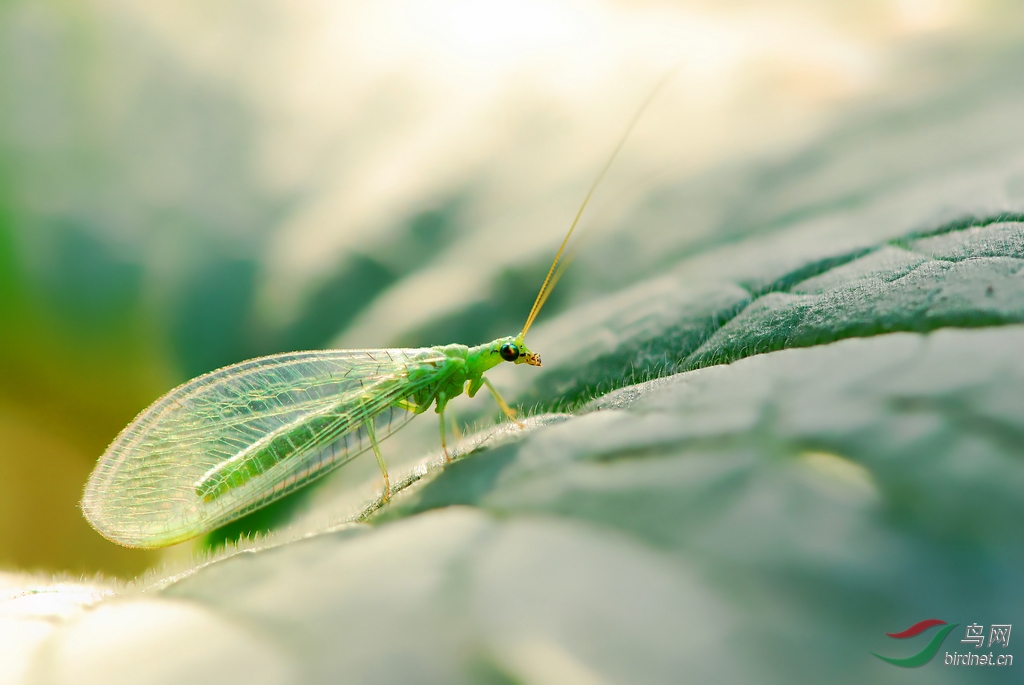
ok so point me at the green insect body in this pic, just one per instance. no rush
(232, 441)
(236, 439)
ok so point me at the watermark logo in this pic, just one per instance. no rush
(926, 654)
(998, 635)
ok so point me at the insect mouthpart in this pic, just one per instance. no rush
(531, 358)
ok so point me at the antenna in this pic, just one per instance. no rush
(558, 266)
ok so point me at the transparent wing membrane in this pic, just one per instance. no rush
(235, 439)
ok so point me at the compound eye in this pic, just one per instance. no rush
(509, 352)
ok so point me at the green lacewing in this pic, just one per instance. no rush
(234, 440)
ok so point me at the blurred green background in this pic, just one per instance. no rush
(187, 184)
